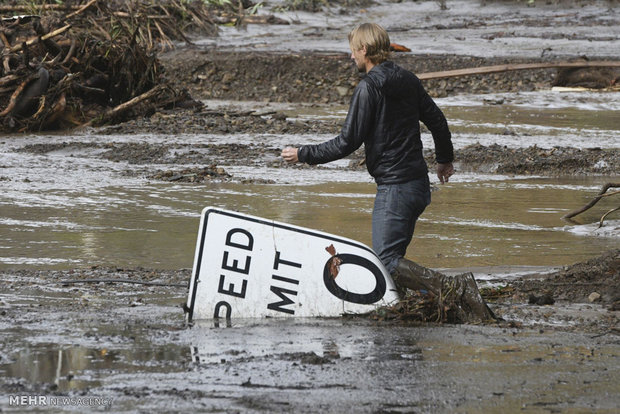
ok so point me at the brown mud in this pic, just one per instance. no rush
(91, 332)
(557, 161)
(319, 79)
(331, 78)
(513, 302)
(577, 282)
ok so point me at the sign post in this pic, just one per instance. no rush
(250, 267)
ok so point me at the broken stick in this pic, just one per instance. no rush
(13, 100)
(30, 42)
(595, 200)
(124, 107)
(86, 6)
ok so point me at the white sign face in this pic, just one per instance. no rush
(248, 267)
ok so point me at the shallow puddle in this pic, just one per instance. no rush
(263, 366)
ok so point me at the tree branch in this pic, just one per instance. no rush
(30, 42)
(595, 200)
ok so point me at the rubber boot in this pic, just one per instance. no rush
(415, 277)
(463, 287)
(471, 303)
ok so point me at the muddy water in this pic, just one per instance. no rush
(482, 223)
(127, 349)
(69, 207)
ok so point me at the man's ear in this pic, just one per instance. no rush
(364, 49)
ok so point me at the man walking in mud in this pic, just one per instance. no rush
(384, 114)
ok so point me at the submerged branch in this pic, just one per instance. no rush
(600, 223)
(592, 202)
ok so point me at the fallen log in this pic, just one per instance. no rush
(252, 19)
(16, 8)
(483, 70)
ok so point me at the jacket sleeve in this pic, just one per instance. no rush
(434, 119)
(357, 125)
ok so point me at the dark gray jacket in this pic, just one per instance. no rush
(385, 113)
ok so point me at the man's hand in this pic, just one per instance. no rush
(444, 172)
(290, 154)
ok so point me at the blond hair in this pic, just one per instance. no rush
(376, 40)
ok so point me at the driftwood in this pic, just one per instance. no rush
(81, 9)
(604, 216)
(243, 19)
(13, 100)
(17, 8)
(482, 70)
(96, 59)
(71, 64)
(126, 106)
(601, 194)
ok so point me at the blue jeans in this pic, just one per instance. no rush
(397, 208)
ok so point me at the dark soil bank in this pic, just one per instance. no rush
(319, 79)
(596, 280)
(322, 78)
(515, 300)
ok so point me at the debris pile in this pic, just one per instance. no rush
(89, 62)
(192, 175)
